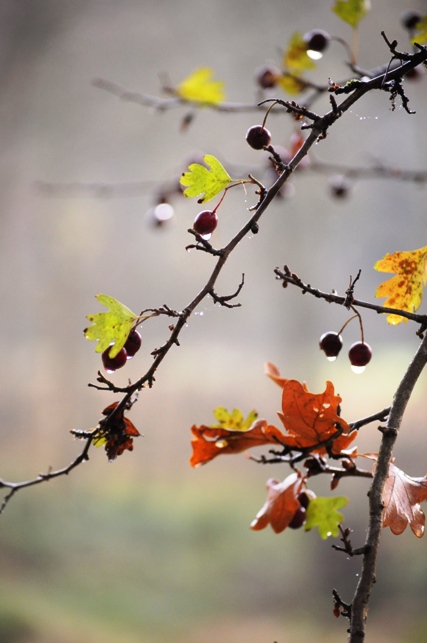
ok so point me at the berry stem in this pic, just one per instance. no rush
(268, 111)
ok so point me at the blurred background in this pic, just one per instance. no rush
(146, 549)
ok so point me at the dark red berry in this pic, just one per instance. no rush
(133, 343)
(299, 518)
(331, 344)
(267, 76)
(258, 137)
(410, 19)
(305, 497)
(205, 222)
(360, 354)
(316, 40)
(111, 364)
(339, 186)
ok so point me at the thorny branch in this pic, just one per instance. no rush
(388, 80)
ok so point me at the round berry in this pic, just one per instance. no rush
(111, 364)
(339, 186)
(205, 222)
(267, 76)
(316, 40)
(305, 497)
(410, 19)
(133, 343)
(359, 354)
(331, 344)
(258, 137)
(299, 518)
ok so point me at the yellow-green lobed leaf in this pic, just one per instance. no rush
(421, 32)
(351, 11)
(203, 181)
(295, 58)
(233, 421)
(199, 88)
(110, 328)
(322, 513)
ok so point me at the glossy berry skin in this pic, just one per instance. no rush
(299, 518)
(317, 40)
(133, 343)
(205, 222)
(305, 497)
(331, 344)
(111, 364)
(258, 137)
(360, 354)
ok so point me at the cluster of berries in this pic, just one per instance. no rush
(360, 353)
(131, 347)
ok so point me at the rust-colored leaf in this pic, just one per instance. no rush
(281, 505)
(311, 420)
(208, 442)
(273, 373)
(115, 433)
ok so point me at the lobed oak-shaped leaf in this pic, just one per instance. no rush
(281, 505)
(352, 11)
(233, 421)
(209, 442)
(405, 290)
(199, 87)
(323, 513)
(312, 419)
(111, 328)
(295, 58)
(203, 181)
(401, 498)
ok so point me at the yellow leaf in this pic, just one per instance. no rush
(405, 290)
(290, 84)
(201, 181)
(351, 11)
(199, 88)
(112, 327)
(295, 57)
(421, 32)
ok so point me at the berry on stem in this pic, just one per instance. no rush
(410, 19)
(258, 137)
(299, 518)
(317, 40)
(111, 364)
(331, 344)
(360, 354)
(133, 343)
(205, 223)
(267, 76)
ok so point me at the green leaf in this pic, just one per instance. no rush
(352, 11)
(201, 181)
(322, 513)
(295, 58)
(199, 88)
(233, 421)
(112, 327)
(421, 32)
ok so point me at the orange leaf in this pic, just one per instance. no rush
(273, 373)
(402, 496)
(281, 505)
(312, 419)
(405, 290)
(116, 433)
(208, 442)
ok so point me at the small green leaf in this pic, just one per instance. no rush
(233, 421)
(322, 513)
(112, 327)
(295, 58)
(199, 88)
(421, 32)
(201, 181)
(352, 11)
